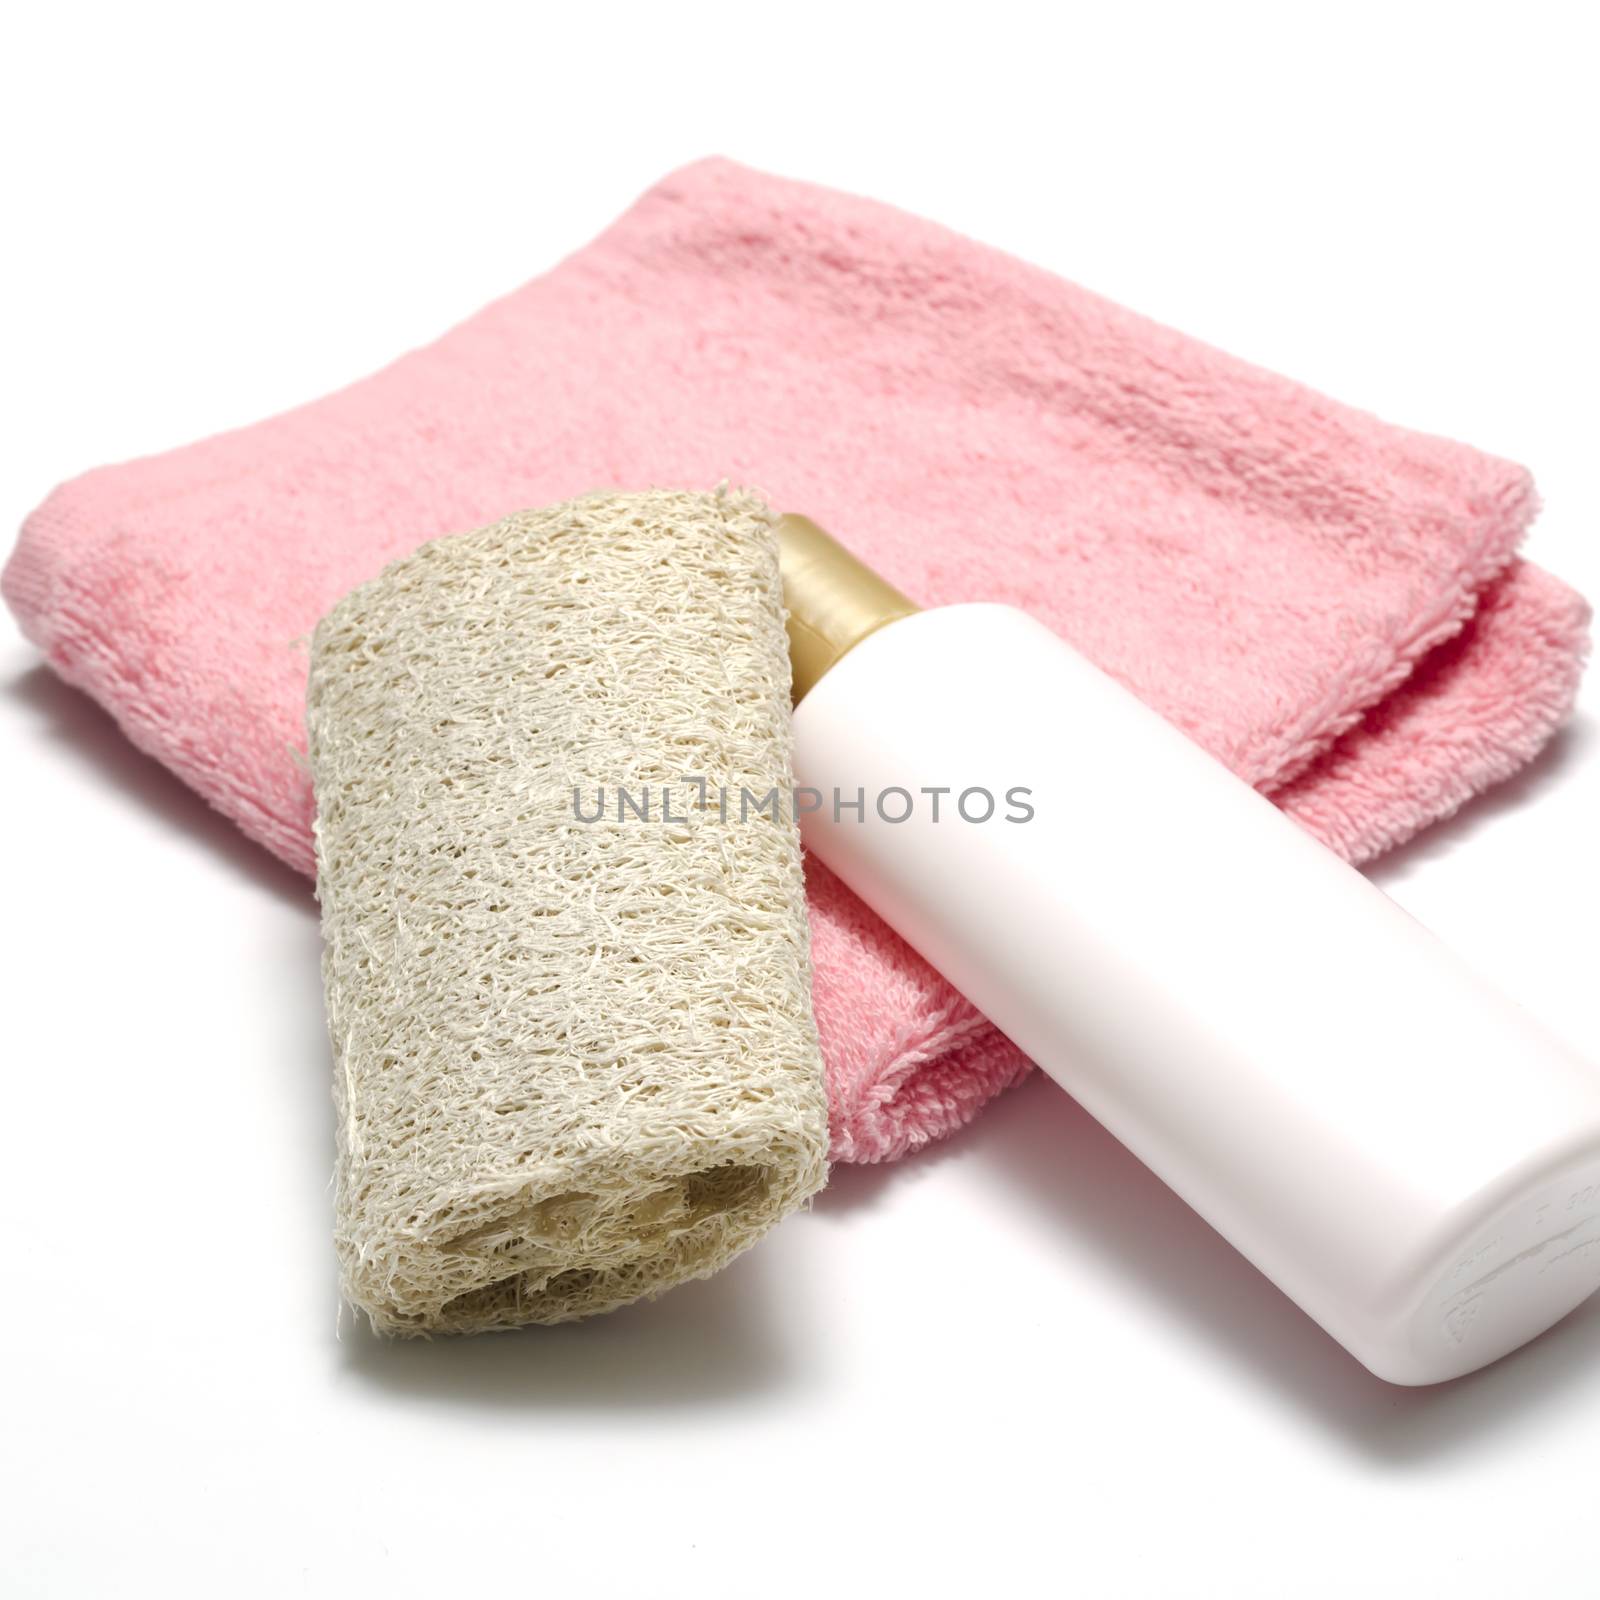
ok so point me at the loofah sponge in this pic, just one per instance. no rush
(575, 1061)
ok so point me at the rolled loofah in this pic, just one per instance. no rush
(575, 1061)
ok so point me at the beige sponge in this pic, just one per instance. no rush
(575, 1061)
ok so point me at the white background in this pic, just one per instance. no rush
(1013, 1363)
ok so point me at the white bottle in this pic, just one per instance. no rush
(1400, 1148)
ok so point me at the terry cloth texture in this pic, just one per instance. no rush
(575, 1061)
(1328, 603)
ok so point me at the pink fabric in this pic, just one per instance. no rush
(1328, 603)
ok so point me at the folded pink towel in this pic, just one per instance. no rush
(1328, 603)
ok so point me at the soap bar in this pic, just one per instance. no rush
(568, 986)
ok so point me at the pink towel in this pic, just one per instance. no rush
(1328, 603)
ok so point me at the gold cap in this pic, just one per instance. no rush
(833, 600)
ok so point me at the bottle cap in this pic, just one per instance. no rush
(833, 600)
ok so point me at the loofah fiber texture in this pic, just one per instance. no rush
(1330, 604)
(575, 1061)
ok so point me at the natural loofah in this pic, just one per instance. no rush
(575, 1062)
